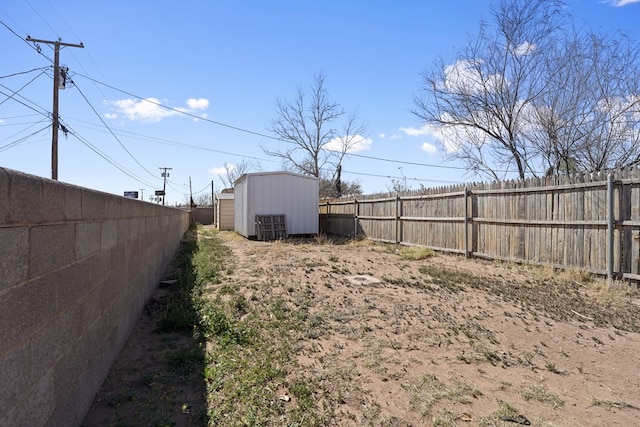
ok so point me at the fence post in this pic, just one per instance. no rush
(397, 218)
(610, 220)
(355, 218)
(466, 222)
(328, 216)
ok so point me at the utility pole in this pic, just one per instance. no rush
(142, 194)
(190, 195)
(164, 174)
(56, 86)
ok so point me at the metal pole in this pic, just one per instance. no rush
(610, 223)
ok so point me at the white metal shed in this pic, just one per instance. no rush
(276, 193)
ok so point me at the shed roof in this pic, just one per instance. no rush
(225, 196)
(298, 175)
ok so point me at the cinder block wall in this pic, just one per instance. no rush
(77, 267)
(202, 215)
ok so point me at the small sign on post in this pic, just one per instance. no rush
(159, 193)
(131, 194)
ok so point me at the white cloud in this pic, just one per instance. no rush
(198, 103)
(356, 143)
(202, 116)
(465, 77)
(422, 130)
(620, 3)
(525, 49)
(147, 110)
(429, 148)
(382, 136)
(151, 109)
(395, 136)
(220, 170)
(447, 136)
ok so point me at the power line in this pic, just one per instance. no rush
(265, 135)
(58, 43)
(180, 144)
(56, 86)
(243, 156)
(110, 131)
(164, 175)
(72, 54)
(107, 158)
(206, 187)
(36, 47)
(23, 72)
(62, 19)
(43, 20)
(22, 139)
(186, 113)
(18, 117)
(2, 124)
(399, 177)
(25, 85)
(45, 113)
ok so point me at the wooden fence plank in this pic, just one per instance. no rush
(557, 221)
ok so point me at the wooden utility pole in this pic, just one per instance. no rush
(56, 85)
(164, 175)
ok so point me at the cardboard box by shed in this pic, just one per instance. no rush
(277, 193)
(224, 211)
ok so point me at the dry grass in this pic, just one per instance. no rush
(436, 340)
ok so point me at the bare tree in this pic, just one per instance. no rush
(328, 189)
(233, 172)
(318, 132)
(478, 102)
(589, 119)
(534, 97)
(203, 199)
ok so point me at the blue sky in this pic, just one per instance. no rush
(225, 63)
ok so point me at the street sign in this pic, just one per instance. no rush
(131, 194)
(159, 193)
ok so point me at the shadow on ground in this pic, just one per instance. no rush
(158, 379)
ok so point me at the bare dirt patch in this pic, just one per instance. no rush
(441, 341)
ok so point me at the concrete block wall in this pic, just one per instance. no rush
(202, 215)
(77, 267)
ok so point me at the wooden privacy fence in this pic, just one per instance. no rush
(589, 222)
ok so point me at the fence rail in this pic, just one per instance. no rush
(589, 222)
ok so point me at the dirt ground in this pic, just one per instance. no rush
(440, 341)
